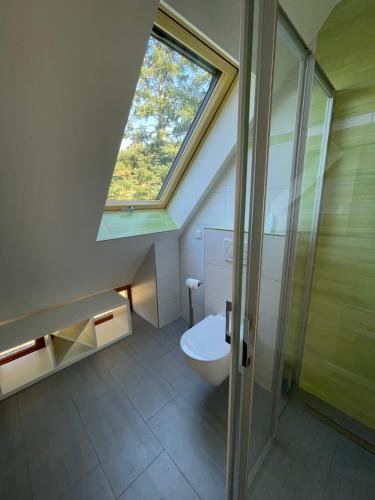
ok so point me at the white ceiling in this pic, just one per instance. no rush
(219, 20)
(308, 16)
(68, 74)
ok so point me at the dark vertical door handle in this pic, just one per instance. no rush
(228, 310)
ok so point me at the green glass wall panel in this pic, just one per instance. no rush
(339, 354)
(312, 166)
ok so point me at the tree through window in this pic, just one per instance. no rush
(172, 91)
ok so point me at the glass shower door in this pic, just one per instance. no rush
(274, 108)
(305, 233)
(290, 68)
(259, 19)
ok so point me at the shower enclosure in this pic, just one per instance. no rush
(285, 116)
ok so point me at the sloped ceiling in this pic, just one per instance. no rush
(68, 73)
(219, 20)
(308, 16)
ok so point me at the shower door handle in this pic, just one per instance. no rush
(228, 310)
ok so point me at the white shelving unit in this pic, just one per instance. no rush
(109, 331)
(82, 332)
(20, 372)
(72, 335)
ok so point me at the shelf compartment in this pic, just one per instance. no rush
(82, 332)
(23, 371)
(114, 329)
(72, 336)
(67, 352)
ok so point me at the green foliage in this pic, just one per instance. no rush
(169, 93)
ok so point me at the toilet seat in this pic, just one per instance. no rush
(206, 340)
(206, 351)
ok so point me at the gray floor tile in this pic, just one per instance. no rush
(14, 479)
(261, 420)
(195, 447)
(143, 327)
(182, 324)
(123, 442)
(311, 461)
(112, 356)
(10, 428)
(169, 336)
(211, 402)
(94, 486)
(146, 389)
(161, 481)
(88, 380)
(339, 418)
(143, 345)
(58, 450)
(42, 394)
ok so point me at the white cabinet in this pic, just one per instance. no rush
(71, 332)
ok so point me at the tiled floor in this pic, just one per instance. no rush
(311, 461)
(134, 422)
(131, 422)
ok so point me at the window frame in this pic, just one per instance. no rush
(228, 72)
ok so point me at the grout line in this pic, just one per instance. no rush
(196, 409)
(82, 478)
(142, 472)
(162, 407)
(24, 449)
(121, 390)
(118, 387)
(89, 438)
(183, 475)
(164, 449)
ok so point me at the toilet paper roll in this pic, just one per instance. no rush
(193, 283)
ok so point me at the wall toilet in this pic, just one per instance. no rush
(205, 349)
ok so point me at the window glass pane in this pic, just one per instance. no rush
(170, 94)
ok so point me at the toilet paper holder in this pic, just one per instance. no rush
(192, 284)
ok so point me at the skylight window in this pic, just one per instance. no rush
(173, 98)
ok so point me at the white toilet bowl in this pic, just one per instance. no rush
(205, 349)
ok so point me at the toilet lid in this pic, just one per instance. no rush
(206, 340)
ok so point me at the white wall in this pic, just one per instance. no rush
(215, 207)
(68, 74)
(216, 154)
(144, 289)
(217, 272)
(168, 280)
(204, 258)
(216, 210)
(156, 285)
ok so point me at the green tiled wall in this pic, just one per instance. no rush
(339, 355)
(306, 216)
